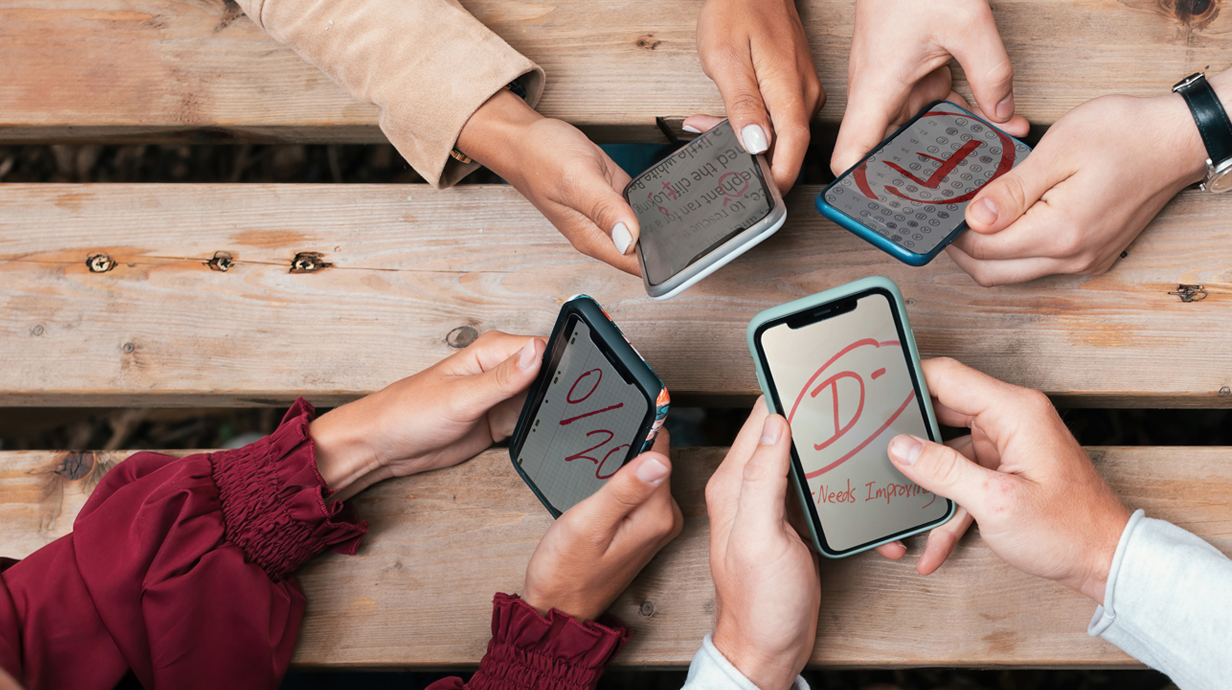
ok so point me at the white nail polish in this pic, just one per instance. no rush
(621, 238)
(691, 129)
(754, 139)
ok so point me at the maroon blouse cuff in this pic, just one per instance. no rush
(528, 650)
(274, 500)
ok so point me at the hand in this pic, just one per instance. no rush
(757, 54)
(900, 62)
(766, 581)
(591, 554)
(1098, 176)
(1038, 500)
(572, 182)
(437, 418)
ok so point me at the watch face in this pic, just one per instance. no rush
(1220, 179)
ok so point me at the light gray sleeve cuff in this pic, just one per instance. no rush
(1168, 603)
(711, 670)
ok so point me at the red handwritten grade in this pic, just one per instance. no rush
(582, 455)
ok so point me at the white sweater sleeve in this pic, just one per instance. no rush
(1169, 604)
(710, 670)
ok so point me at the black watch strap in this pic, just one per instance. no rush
(1208, 113)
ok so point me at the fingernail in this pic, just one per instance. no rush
(691, 129)
(652, 472)
(984, 211)
(771, 431)
(621, 238)
(526, 356)
(906, 449)
(901, 544)
(754, 139)
(1005, 109)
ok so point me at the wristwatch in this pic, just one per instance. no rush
(1214, 127)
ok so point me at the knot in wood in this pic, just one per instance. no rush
(647, 42)
(646, 609)
(461, 336)
(99, 263)
(37, 330)
(1189, 293)
(1195, 13)
(1225, 391)
(222, 261)
(309, 262)
(128, 348)
(74, 465)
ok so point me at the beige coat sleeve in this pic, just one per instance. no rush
(427, 64)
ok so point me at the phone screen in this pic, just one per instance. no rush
(583, 428)
(846, 386)
(914, 190)
(688, 205)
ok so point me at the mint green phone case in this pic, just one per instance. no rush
(811, 302)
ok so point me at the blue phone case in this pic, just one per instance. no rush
(805, 304)
(872, 236)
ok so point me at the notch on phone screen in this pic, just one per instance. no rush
(845, 382)
(591, 412)
(915, 188)
(694, 201)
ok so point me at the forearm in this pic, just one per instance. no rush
(1168, 602)
(428, 65)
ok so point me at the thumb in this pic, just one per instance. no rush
(745, 108)
(1005, 199)
(945, 472)
(987, 66)
(484, 391)
(597, 198)
(629, 488)
(763, 491)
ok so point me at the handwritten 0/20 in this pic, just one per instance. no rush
(570, 399)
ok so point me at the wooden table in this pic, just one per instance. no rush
(117, 295)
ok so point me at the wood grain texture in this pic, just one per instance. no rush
(122, 70)
(418, 593)
(409, 265)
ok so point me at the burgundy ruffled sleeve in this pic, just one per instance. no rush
(178, 569)
(532, 652)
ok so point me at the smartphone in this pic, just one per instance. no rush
(703, 206)
(594, 406)
(909, 196)
(843, 368)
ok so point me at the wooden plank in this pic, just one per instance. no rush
(418, 592)
(411, 265)
(201, 71)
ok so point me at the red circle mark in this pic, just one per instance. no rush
(569, 396)
(728, 195)
(809, 384)
(1008, 154)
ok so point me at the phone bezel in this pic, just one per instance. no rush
(619, 353)
(869, 234)
(822, 311)
(727, 248)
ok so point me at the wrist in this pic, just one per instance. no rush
(1101, 554)
(491, 135)
(345, 459)
(1191, 149)
(766, 670)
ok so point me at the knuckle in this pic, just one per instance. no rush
(746, 104)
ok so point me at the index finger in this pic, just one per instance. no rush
(975, 396)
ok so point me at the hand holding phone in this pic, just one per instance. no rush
(909, 196)
(594, 406)
(703, 206)
(591, 554)
(843, 368)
